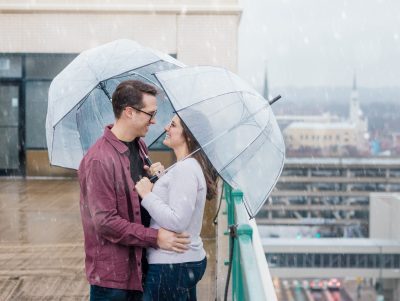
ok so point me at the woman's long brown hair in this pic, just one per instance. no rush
(209, 171)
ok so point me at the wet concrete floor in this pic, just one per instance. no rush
(41, 243)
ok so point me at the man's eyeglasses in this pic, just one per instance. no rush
(151, 115)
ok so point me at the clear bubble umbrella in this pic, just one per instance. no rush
(79, 103)
(234, 125)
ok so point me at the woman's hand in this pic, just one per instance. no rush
(144, 187)
(156, 169)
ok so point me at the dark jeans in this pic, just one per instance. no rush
(98, 293)
(175, 282)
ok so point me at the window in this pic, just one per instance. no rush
(35, 116)
(10, 66)
(40, 69)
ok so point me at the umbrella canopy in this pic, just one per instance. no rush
(233, 124)
(79, 103)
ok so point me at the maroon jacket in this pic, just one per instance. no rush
(106, 189)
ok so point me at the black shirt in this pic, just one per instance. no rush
(138, 172)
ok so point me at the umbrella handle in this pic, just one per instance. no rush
(148, 161)
(153, 179)
(274, 99)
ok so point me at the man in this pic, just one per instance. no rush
(110, 207)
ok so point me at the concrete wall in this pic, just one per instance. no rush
(197, 31)
(384, 216)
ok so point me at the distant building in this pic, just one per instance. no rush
(320, 135)
(396, 142)
(326, 133)
(334, 195)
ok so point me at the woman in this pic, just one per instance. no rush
(176, 202)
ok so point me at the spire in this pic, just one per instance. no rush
(355, 81)
(266, 90)
(355, 110)
(354, 92)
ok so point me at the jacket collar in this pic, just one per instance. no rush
(110, 137)
(118, 144)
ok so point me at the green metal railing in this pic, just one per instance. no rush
(246, 278)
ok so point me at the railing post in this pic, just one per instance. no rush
(237, 282)
(230, 205)
(245, 261)
(243, 233)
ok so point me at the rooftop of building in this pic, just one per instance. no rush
(373, 162)
(320, 126)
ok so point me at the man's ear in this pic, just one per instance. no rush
(128, 112)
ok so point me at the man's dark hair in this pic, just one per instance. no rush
(129, 93)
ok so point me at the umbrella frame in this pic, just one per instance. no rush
(101, 86)
(201, 147)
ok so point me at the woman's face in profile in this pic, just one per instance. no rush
(174, 133)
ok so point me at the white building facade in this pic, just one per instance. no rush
(329, 134)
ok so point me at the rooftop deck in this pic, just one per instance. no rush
(42, 256)
(41, 243)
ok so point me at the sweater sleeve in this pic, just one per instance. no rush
(182, 193)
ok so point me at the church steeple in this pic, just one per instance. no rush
(266, 90)
(355, 110)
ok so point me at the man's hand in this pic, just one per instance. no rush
(156, 169)
(144, 187)
(172, 241)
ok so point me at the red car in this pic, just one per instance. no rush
(334, 284)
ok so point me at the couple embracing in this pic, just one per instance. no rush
(142, 241)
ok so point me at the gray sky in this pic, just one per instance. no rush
(320, 42)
